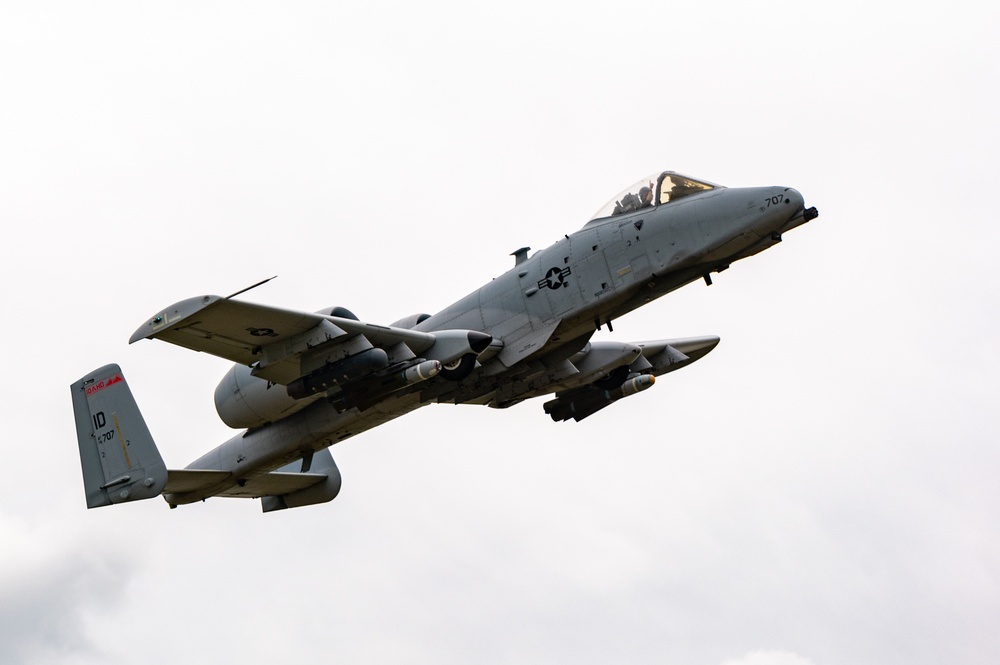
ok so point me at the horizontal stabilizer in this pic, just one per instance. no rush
(313, 479)
(275, 483)
(192, 480)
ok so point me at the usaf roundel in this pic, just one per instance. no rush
(555, 278)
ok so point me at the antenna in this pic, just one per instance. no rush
(254, 286)
(520, 255)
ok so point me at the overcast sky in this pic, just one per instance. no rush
(820, 490)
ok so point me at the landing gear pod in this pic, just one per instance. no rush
(318, 462)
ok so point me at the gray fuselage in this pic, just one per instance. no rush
(541, 312)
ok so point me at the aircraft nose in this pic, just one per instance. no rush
(778, 206)
(796, 205)
(794, 200)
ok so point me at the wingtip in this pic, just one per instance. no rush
(171, 315)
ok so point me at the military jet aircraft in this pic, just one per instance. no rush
(305, 381)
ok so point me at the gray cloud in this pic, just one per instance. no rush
(53, 588)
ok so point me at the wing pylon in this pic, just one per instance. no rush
(620, 370)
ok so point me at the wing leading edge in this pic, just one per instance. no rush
(282, 345)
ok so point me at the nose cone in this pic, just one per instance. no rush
(778, 209)
(799, 215)
(794, 200)
(773, 208)
(479, 341)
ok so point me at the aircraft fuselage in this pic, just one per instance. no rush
(540, 313)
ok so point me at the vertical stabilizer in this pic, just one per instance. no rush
(120, 461)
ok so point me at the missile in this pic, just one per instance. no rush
(634, 385)
(338, 373)
(587, 401)
(421, 371)
(367, 391)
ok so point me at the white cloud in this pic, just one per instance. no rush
(769, 657)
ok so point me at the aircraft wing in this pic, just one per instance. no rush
(230, 329)
(648, 360)
(668, 355)
(273, 341)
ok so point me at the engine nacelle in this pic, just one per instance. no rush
(411, 321)
(338, 311)
(244, 401)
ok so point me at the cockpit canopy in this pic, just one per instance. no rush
(657, 189)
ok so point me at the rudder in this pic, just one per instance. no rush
(119, 458)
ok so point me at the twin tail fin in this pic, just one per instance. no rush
(119, 458)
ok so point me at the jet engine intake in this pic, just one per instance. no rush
(411, 321)
(451, 345)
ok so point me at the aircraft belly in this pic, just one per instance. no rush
(262, 450)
